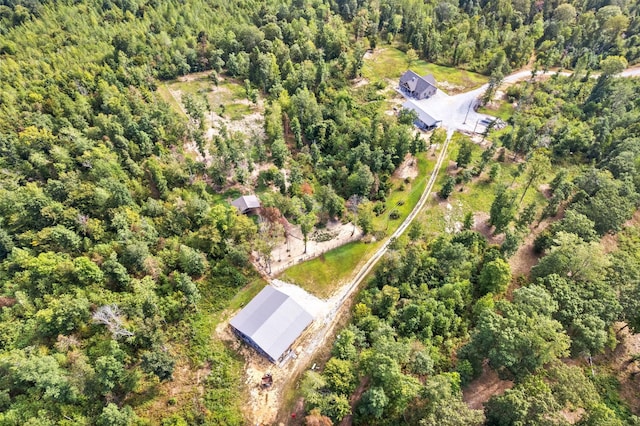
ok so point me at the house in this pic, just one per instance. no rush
(418, 87)
(271, 323)
(424, 121)
(246, 204)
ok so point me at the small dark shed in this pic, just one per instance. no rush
(246, 204)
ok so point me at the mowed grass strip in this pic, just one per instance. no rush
(321, 276)
(164, 93)
(388, 62)
(504, 111)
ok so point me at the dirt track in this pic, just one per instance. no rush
(263, 404)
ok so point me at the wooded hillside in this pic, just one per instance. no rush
(118, 248)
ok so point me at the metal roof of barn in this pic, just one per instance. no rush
(273, 321)
(422, 115)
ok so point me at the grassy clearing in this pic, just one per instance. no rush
(228, 99)
(235, 111)
(323, 275)
(164, 93)
(475, 196)
(404, 197)
(389, 63)
(504, 111)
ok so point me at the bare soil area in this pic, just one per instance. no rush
(484, 387)
(359, 82)
(481, 224)
(291, 250)
(263, 403)
(621, 360)
(218, 122)
(407, 169)
(353, 400)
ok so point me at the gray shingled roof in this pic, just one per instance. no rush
(273, 320)
(246, 202)
(422, 116)
(416, 83)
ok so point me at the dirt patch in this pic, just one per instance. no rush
(263, 403)
(452, 168)
(291, 250)
(545, 190)
(250, 125)
(353, 400)
(407, 169)
(573, 417)
(524, 258)
(481, 224)
(610, 241)
(194, 76)
(484, 387)
(447, 87)
(621, 360)
(359, 82)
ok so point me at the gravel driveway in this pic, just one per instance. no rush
(456, 112)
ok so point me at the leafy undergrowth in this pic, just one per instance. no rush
(207, 382)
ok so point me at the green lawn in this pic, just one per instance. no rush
(390, 62)
(404, 200)
(323, 275)
(504, 111)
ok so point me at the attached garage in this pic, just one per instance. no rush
(271, 323)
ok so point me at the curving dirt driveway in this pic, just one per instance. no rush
(327, 316)
(456, 113)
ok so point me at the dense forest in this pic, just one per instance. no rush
(115, 244)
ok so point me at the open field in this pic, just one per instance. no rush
(228, 98)
(475, 196)
(388, 62)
